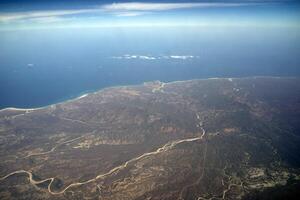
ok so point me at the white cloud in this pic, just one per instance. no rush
(127, 56)
(129, 14)
(137, 6)
(148, 57)
(184, 57)
(117, 9)
(6, 17)
(47, 19)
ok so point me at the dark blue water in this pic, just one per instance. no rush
(39, 68)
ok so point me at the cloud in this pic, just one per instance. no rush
(129, 14)
(6, 17)
(149, 57)
(127, 56)
(181, 57)
(117, 9)
(137, 6)
(44, 20)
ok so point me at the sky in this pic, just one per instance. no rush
(46, 14)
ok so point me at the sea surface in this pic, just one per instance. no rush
(42, 67)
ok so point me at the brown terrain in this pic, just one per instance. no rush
(199, 139)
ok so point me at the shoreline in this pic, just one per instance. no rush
(43, 107)
(71, 98)
(80, 96)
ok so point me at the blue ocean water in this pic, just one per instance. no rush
(42, 67)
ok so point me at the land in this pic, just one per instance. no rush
(236, 138)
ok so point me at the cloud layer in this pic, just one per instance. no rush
(155, 15)
(150, 57)
(136, 6)
(117, 9)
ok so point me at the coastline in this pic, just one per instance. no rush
(67, 99)
(86, 93)
(43, 107)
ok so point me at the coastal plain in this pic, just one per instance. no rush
(227, 138)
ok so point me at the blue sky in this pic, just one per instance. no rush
(41, 14)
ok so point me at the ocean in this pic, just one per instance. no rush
(42, 67)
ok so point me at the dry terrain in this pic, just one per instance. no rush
(198, 139)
